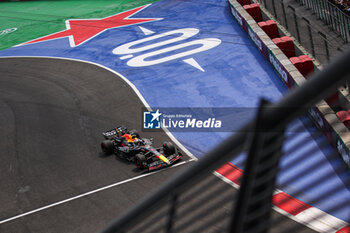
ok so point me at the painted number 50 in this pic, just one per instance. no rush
(168, 53)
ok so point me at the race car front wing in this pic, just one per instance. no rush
(159, 164)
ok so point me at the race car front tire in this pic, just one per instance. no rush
(107, 147)
(168, 148)
(140, 159)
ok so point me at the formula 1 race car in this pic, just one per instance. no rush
(128, 145)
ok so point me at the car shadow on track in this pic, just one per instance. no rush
(120, 160)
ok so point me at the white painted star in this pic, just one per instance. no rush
(156, 115)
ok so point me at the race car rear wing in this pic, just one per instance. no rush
(112, 133)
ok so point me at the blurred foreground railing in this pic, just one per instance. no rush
(195, 201)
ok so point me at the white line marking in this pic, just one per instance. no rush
(194, 63)
(236, 186)
(126, 57)
(146, 31)
(7, 31)
(320, 221)
(90, 192)
(313, 218)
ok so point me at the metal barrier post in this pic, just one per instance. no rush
(318, 9)
(295, 21)
(308, 4)
(328, 17)
(340, 23)
(325, 44)
(312, 4)
(345, 27)
(321, 10)
(171, 217)
(255, 195)
(284, 14)
(332, 17)
(274, 8)
(315, 4)
(310, 35)
(347, 30)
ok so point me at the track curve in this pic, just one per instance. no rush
(52, 114)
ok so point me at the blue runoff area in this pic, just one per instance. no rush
(196, 55)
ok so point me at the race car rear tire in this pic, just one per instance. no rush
(168, 148)
(140, 159)
(107, 147)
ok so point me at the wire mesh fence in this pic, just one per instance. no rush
(310, 35)
(332, 15)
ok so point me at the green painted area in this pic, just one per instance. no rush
(24, 21)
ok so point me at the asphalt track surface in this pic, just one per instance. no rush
(52, 114)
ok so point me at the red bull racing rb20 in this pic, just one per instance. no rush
(128, 145)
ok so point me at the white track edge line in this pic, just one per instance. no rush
(89, 193)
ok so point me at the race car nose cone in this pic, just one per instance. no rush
(164, 159)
